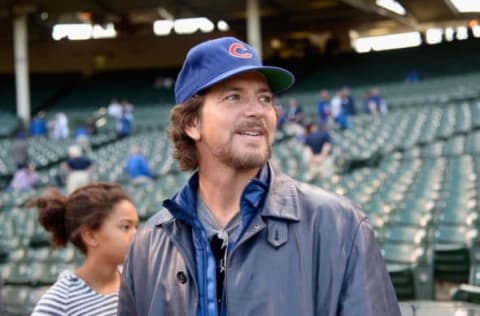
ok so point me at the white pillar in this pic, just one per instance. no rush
(254, 31)
(20, 37)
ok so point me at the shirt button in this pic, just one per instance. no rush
(181, 277)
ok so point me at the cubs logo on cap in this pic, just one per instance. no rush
(210, 62)
(239, 50)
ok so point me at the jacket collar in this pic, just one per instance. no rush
(281, 197)
(183, 204)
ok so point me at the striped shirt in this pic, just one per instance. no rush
(71, 296)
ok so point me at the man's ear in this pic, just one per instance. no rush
(192, 129)
(89, 237)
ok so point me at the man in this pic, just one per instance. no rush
(318, 145)
(78, 169)
(323, 108)
(136, 167)
(239, 238)
(295, 112)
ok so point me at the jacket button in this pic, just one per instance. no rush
(181, 277)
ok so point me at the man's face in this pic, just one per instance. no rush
(237, 123)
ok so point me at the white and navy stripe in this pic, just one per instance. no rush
(71, 296)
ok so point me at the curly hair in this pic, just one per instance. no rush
(87, 207)
(181, 116)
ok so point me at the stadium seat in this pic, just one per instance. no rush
(411, 269)
(19, 300)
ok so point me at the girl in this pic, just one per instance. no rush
(100, 220)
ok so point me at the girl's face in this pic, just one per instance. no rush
(114, 236)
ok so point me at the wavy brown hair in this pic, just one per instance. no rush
(181, 116)
(87, 207)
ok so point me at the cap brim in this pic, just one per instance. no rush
(278, 79)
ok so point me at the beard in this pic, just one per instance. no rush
(243, 158)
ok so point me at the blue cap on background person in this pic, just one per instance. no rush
(213, 61)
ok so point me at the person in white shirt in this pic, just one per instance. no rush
(115, 109)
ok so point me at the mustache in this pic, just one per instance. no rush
(252, 124)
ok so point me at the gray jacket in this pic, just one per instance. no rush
(308, 252)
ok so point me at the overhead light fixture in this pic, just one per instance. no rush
(449, 34)
(107, 31)
(77, 31)
(275, 43)
(44, 16)
(464, 6)
(476, 30)
(162, 27)
(223, 26)
(434, 36)
(185, 26)
(392, 5)
(462, 33)
(83, 31)
(191, 25)
(386, 42)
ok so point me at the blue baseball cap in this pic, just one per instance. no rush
(213, 61)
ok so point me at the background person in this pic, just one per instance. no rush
(136, 167)
(100, 221)
(78, 169)
(317, 150)
(25, 178)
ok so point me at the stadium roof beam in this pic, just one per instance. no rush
(367, 6)
(452, 8)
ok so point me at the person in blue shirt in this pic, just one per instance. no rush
(125, 122)
(348, 103)
(412, 76)
(318, 148)
(38, 126)
(137, 167)
(281, 113)
(323, 108)
(376, 104)
(295, 112)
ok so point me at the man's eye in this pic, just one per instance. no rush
(232, 97)
(265, 99)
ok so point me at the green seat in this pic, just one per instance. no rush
(411, 269)
(31, 274)
(452, 258)
(410, 218)
(452, 262)
(451, 234)
(20, 300)
(470, 292)
(14, 300)
(39, 237)
(4, 251)
(405, 234)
